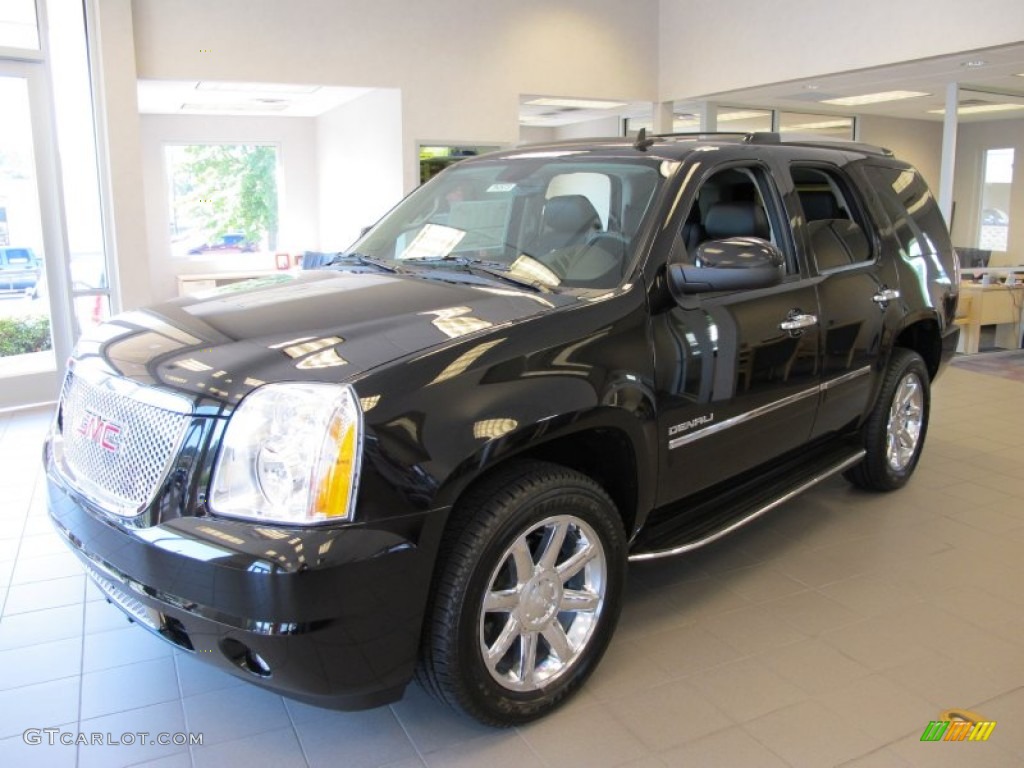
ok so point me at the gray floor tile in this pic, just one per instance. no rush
(729, 748)
(592, 736)
(357, 739)
(41, 595)
(232, 713)
(279, 748)
(105, 650)
(40, 663)
(39, 706)
(128, 687)
(136, 736)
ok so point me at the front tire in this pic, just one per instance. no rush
(526, 596)
(894, 432)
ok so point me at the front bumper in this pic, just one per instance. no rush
(330, 616)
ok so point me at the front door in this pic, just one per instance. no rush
(737, 372)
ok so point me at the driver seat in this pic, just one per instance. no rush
(567, 220)
(736, 219)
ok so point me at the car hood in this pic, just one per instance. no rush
(321, 325)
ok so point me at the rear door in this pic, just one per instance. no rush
(736, 372)
(858, 290)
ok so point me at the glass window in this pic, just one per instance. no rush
(18, 25)
(910, 206)
(835, 228)
(434, 159)
(995, 199)
(26, 344)
(551, 219)
(223, 198)
(833, 126)
(731, 203)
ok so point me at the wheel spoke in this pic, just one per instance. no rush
(523, 559)
(502, 601)
(553, 547)
(559, 643)
(577, 562)
(500, 647)
(527, 657)
(579, 601)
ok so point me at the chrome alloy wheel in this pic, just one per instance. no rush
(906, 417)
(543, 603)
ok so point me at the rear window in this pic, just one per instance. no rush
(910, 206)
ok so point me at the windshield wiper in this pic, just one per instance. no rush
(493, 269)
(366, 261)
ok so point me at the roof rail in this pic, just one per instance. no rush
(773, 137)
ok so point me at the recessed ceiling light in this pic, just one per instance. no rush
(577, 103)
(979, 109)
(1020, 74)
(873, 98)
(816, 126)
(973, 63)
(811, 87)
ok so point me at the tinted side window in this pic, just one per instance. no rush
(835, 225)
(910, 206)
(734, 202)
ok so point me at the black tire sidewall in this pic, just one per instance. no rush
(486, 694)
(883, 476)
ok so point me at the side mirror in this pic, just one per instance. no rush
(734, 264)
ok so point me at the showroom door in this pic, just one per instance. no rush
(35, 317)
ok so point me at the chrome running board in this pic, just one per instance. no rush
(810, 482)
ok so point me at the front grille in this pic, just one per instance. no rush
(119, 439)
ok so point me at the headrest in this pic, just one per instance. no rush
(739, 219)
(571, 213)
(820, 205)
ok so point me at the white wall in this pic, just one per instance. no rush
(602, 127)
(535, 134)
(972, 141)
(296, 139)
(711, 46)
(461, 66)
(359, 165)
(919, 142)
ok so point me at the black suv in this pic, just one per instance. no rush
(436, 455)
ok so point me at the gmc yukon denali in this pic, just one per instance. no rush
(434, 456)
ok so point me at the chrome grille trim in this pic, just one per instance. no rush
(148, 426)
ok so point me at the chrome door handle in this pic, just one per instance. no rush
(885, 296)
(798, 322)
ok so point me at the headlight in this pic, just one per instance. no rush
(290, 455)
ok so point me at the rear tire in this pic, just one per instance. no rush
(894, 432)
(526, 594)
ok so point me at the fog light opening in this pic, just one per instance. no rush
(244, 657)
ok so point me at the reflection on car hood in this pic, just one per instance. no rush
(320, 325)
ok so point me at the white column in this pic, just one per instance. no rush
(662, 114)
(949, 125)
(708, 112)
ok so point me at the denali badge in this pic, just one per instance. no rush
(106, 434)
(688, 425)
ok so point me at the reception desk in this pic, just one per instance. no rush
(998, 305)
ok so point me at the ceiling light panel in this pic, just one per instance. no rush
(577, 103)
(874, 98)
(277, 88)
(978, 109)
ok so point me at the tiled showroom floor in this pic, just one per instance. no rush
(828, 633)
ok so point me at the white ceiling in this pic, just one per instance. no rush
(994, 81)
(191, 97)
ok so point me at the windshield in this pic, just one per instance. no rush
(552, 220)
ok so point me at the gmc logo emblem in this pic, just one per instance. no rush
(96, 429)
